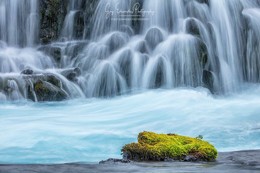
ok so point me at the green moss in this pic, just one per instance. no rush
(158, 147)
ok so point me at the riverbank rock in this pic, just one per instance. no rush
(165, 147)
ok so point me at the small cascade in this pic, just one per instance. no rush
(167, 14)
(74, 14)
(111, 15)
(252, 61)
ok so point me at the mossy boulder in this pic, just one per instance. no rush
(46, 91)
(163, 147)
(45, 87)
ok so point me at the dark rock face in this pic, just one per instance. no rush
(79, 24)
(52, 15)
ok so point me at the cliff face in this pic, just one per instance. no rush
(52, 17)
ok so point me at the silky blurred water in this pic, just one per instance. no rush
(94, 129)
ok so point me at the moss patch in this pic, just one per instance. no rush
(161, 147)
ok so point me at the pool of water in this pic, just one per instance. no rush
(90, 130)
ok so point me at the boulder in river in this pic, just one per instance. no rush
(165, 147)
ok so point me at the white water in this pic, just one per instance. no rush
(96, 129)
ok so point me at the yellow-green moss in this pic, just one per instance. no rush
(158, 147)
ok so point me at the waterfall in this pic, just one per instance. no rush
(133, 45)
(19, 22)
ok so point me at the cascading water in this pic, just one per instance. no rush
(19, 22)
(137, 45)
(178, 47)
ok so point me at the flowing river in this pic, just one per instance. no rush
(81, 78)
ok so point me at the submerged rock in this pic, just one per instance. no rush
(165, 147)
(114, 161)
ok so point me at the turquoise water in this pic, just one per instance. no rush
(94, 129)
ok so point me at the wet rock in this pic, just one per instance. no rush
(125, 63)
(44, 87)
(116, 41)
(190, 158)
(208, 80)
(154, 36)
(27, 72)
(71, 74)
(79, 25)
(192, 27)
(159, 75)
(1, 83)
(203, 1)
(46, 91)
(115, 161)
(52, 51)
(203, 53)
(52, 15)
(142, 47)
(54, 80)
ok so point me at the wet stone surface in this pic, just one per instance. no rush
(239, 162)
